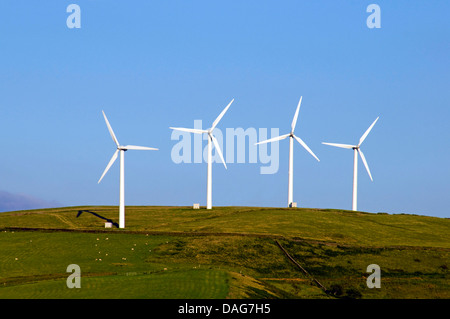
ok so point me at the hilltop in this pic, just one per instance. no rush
(226, 252)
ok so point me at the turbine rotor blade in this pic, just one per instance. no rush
(110, 130)
(190, 130)
(365, 163)
(216, 145)
(112, 160)
(294, 120)
(274, 139)
(139, 148)
(220, 116)
(340, 145)
(306, 147)
(367, 132)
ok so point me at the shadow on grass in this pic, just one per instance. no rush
(97, 215)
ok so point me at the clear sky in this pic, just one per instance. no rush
(154, 64)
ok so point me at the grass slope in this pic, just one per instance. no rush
(226, 252)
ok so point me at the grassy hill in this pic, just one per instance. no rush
(226, 252)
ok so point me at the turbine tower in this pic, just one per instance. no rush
(211, 140)
(291, 152)
(122, 150)
(356, 151)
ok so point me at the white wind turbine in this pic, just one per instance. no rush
(122, 150)
(291, 152)
(356, 150)
(211, 140)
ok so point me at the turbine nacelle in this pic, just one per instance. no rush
(135, 147)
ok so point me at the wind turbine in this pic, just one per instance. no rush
(356, 150)
(122, 150)
(291, 152)
(211, 140)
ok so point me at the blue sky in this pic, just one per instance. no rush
(155, 64)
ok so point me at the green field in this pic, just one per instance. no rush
(226, 252)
